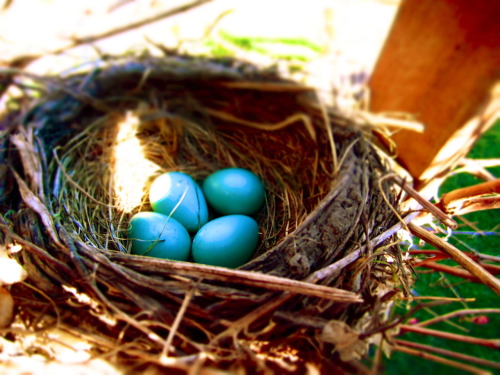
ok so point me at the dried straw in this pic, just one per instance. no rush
(327, 267)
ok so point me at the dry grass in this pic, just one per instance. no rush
(326, 221)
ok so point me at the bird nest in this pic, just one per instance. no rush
(81, 151)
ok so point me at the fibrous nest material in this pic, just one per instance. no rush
(80, 153)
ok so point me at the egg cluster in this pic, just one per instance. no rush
(181, 210)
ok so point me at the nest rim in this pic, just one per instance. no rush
(300, 281)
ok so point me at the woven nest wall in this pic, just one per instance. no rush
(81, 152)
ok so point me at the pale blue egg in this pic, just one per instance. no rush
(234, 191)
(176, 194)
(157, 235)
(228, 241)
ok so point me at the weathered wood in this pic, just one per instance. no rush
(478, 197)
(440, 63)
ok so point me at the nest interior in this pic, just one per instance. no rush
(81, 151)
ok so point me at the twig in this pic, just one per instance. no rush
(250, 278)
(329, 270)
(475, 256)
(488, 258)
(489, 343)
(120, 314)
(176, 324)
(401, 319)
(385, 120)
(477, 167)
(332, 268)
(78, 41)
(472, 225)
(444, 361)
(134, 25)
(246, 320)
(455, 271)
(454, 314)
(449, 353)
(472, 198)
(436, 211)
(485, 163)
(471, 266)
(378, 358)
(36, 204)
(473, 204)
(437, 298)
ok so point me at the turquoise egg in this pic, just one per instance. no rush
(157, 235)
(176, 194)
(234, 191)
(228, 241)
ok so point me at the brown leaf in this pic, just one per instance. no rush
(345, 339)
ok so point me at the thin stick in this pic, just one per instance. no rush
(436, 211)
(475, 169)
(334, 267)
(437, 298)
(475, 256)
(459, 257)
(176, 324)
(471, 198)
(384, 197)
(457, 313)
(353, 256)
(378, 357)
(449, 353)
(78, 41)
(485, 163)
(444, 361)
(134, 25)
(250, 278)
(36, 204)
(120, 314)
(379, 121)
(489, 343)
(491, 268)
(455, 271)
(473, 204)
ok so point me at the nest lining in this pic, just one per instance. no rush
(198, 116)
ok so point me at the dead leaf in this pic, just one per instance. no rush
(345, 339)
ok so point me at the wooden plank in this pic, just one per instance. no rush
(440, 63)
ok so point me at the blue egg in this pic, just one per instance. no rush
(228, 241)
(157, 235)
(234, 191)
(176, 194)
